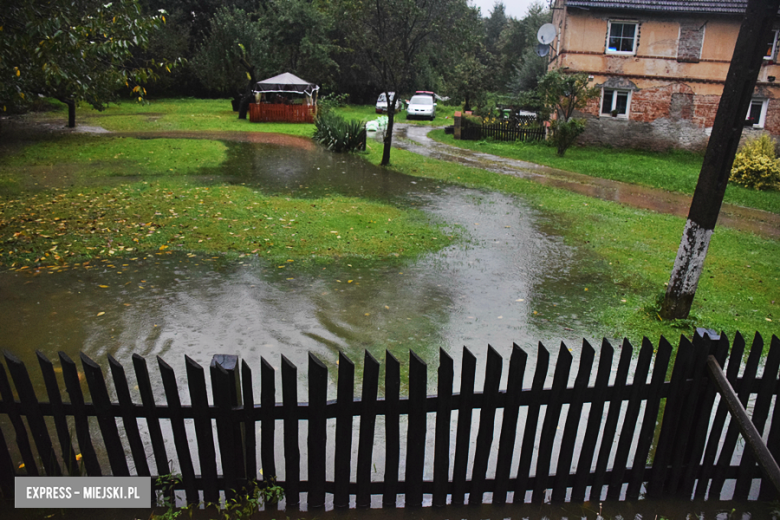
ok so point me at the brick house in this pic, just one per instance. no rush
(660, 65)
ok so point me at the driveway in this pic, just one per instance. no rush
(414, 138)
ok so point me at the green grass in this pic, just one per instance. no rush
(59, 227)
(121, 155)
(636, 248)
(674, 170)
(167, 115)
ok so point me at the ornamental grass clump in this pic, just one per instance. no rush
(337, 134)
(755, 165)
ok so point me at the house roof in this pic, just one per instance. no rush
(676, 6)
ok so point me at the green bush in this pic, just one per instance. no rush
(755, 165)
(564, 133)
(337, 134)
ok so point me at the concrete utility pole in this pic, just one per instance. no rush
(748, 57)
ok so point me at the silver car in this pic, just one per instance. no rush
(422, 106)
(381, 103)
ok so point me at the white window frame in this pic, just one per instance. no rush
(632, 52)
(613, 102)
(771, 57)
(762, 118)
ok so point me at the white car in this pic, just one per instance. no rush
(381, 103)
(421, 105)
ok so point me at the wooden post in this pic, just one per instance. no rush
(714, 177)
(458, 118)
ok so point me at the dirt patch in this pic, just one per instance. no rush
(415, 139)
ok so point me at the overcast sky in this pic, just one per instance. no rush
(514, 8)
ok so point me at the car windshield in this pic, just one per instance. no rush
(421, 100)
(383, 98)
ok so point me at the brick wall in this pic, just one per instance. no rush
(663, 117)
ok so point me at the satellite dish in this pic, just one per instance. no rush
(542, 50)
(546, 34)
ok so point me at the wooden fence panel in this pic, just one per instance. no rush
(180, 440)
(768, 492)
(292, 452)
(150, 411)
(343, 461)
(552, 417)
(629, 422)
(367, 429)
(72, 385)
(611, 423)
(417, 426)
(196, 381)
(58, 413)
(572, 423)
(690, 430)
(600, 395)
(468, 370)
(531, 423)
(506, 442)
(650, 418)
(760, 413)
(732, 433)
(28, 403)
(267, 421)
(129, 421)
(441, 457)
(487, 419)
(718, 422)
(392, 427)
(318, 431)
(249, 427)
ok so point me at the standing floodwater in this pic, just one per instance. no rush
(505, 281)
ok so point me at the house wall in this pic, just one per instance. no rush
(676, 76)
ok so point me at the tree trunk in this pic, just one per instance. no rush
(71, 112)
(467, 104)
(726, 131)
(389, 132)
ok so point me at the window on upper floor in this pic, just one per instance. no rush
(622, 37)
(615, 102)
(771, 46)
(756, 116)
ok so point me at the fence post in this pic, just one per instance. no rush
(229, 364)
(457, 118)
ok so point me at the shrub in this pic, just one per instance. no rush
(337, 134)
(564, 133)
(755, 165)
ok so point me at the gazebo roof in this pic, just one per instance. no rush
(286, 83)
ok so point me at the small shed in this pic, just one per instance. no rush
(284, 98)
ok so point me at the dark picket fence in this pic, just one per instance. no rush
(642, 427)
(501, 132)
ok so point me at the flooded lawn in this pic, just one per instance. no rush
(510, 279)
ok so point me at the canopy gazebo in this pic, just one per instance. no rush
(284, 98)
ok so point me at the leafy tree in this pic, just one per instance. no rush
(390, 34)
(299, 38)
(74, 50)
(232, 54)
(564, 94)
(526, 76)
